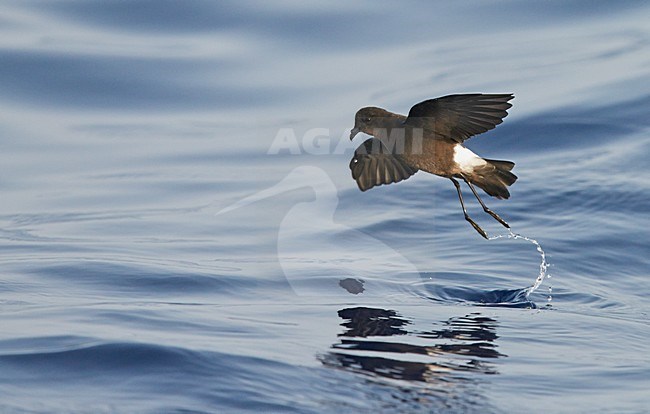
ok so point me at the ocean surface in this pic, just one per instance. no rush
(180, 233)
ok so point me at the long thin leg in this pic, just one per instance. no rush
(467, 217)
(485, 208)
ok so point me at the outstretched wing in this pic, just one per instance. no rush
(372, 165)
(459, 117)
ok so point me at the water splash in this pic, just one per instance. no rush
(543, 265)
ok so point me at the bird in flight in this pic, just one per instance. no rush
(431, 139)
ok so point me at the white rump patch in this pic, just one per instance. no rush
(466, 159)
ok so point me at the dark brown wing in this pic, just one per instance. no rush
(372, 165)
(459, 117)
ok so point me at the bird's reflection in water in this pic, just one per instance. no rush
(459, 346)
(365, 322)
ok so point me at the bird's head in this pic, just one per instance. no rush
(368, 119)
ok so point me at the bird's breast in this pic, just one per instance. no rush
(436, 157)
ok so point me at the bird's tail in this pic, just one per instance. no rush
(494, 178)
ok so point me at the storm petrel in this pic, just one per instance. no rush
(431, 139)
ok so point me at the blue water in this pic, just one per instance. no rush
(159, 254)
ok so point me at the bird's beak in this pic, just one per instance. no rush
(282, 187)
(299, 177)
(353, 133)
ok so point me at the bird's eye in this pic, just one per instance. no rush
(366, 120)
